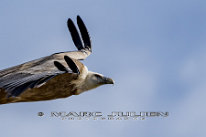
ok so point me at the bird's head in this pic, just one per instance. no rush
(94, 80)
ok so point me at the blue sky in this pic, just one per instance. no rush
(154, 50)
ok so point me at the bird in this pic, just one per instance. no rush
(57, 76)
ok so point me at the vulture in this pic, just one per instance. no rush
(59, 75)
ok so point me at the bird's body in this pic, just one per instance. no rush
(48, 78)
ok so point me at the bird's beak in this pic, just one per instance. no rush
(108, 80)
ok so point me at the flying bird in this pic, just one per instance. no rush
(59, 75)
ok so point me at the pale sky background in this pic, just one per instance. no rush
(155, 50)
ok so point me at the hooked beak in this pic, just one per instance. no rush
(108, 80)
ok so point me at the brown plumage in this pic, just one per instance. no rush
(56, 76)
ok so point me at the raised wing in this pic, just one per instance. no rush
(82, 43)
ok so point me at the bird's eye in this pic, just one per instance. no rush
(97, 76)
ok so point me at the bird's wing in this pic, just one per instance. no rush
(83, 42)
(32, 74)
(17, 82)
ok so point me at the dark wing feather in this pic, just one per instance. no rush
(71, 64)
(75, 35)
(60, 66)
(84, 33)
